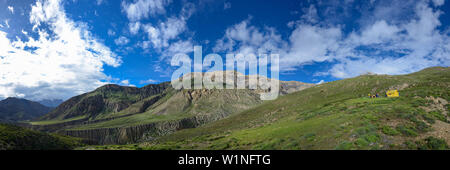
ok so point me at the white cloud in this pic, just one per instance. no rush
(310, 14)
(11, 9)
(126, 83)
(164, 36)
(182, 46)
(306, 43)
(121, 40)
(99, 2)
(377, 33)
(320, 82)
(244, 38)
(134, 27)
(140, 9)
(418, 41)
(111, 32)
(383, 45)
(149, 81)
(438, 2)
(67, 62)
(154, 35)
(161, 34)
(310, 44)
(7, 23)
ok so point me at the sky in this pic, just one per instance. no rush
(53, 49)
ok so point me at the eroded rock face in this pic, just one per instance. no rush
(116, 106)
(287, 87)
(139, 133)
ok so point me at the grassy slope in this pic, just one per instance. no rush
(335, 115)
(55, 121)
(18, 138)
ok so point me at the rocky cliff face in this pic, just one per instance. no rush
(138, 133)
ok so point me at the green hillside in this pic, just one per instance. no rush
(18, 138)
(334, 115)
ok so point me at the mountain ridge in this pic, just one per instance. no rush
(16, 109)
(50, 102)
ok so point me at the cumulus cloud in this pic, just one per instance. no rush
(310, 14)
(181, 46)
(65, 59)
(99, 2)
(397, 48)
(383, 45)
(165, 35)
(140, 9)
(111, 32)
(134, 27)
(11, 9)
(160, 34)
(438, 2)
(320, 82)
(148, 81)
(7, 23)
(121, 40)
(126, 83)
(244, 38)
(308, 43)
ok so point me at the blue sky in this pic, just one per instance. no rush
(53, 49)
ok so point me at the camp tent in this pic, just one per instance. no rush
(392, 93)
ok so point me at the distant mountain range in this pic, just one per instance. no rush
(15, 109)
(50, 102)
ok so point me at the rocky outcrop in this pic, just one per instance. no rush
(148, 103)
(139, 133)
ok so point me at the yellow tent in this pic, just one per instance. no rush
(392, 93)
